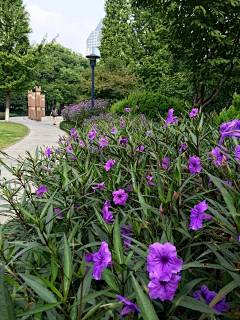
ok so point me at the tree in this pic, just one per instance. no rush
(18, 59)
(59, 74)
(116, 32)
(207, 34)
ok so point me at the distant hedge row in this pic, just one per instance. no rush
(151, 104)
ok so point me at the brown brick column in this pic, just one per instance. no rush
(38, 104)
(33, 110)
(43, 105)
(29, 104)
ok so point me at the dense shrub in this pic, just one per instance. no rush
(231, 113)
(2, 115)
(149, 103)
(78, 113)
(176, 210)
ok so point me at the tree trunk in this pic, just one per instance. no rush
(7, 106)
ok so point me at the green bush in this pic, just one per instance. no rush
(66, 126)
(149, 103)
(2, 115)
(233, 112)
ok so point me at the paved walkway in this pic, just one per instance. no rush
(41, 134)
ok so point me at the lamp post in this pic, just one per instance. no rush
(93, 57)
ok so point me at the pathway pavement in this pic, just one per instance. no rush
(40, 134)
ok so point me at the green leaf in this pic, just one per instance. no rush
(193, 304)
(49, 221)
(67, 267)
(94, 295)
(143, 302)
(37, 285)
(6, 306)
(50, 285)
(186, 289)
(223, 292)
(117, 241)
(49, 202)
(39, 309)
(24, 211)
(93, 310)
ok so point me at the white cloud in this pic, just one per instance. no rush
(46, 19)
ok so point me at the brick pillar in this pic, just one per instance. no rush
(38, 104)
(33, 109)
(43, 104)
(29, 103)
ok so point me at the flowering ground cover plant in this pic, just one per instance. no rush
(127, 219)
(78, 113)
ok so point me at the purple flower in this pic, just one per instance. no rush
(107, 215)
(113, 130)
(57, 210)
(89, 257)
(137, 107)
(109, 164)
(122, 124)
(103, 142)
(129, 306)
(73, 132)
(127, 110)
(170, 118)
(60, 139)
(208, 296)
(69, 149)
(142, 115)
(101, 260)
(149, 183)
(123, 141)
(48, 152)
(40, 191)
(99, 186)
(218, 156)
(95, 126)
(120, 197)
(125, 231)
(12, 235)
(228, 130)
(144, 120)
(237, 154)
(140, 149)
(193, 113)
(92, 134)
(164, 290)
(197, 215)
(183, 146)
(165, 163)
(148, 133)
(194, 165)
(129, 188)
(163, 261)
(81, 143)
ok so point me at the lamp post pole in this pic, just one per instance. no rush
(93, 57)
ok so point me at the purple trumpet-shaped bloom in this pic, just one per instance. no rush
(99, 186)
(142, 115)
(109, 164)
(81, 143)
(120, 197)
(137, 107)
(69, 149)
(197, 215)
(193, 113)
(101, 260)
(113, 130)
(163, 261)
(89, 257)
(12, 235)
(170, 117)
(144, 120)
(129, 306)
(56, 211)
(194, 165)
(148, 133)
(48, 152)
(123, 141)
(73, 132)
(208, 296)
(103, 142)
(140, 149)
(127, 110)
(164, 290)
(228, 130)
(60, 140)
(218, 156)
(125, 231)
(107, 215)
(183, 146)
(40, 191)
(150, 183)
(95, 126)
(165, 163)
(237, 154)
(92, 134)
(122, 124)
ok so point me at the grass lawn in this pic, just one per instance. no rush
(11, 133)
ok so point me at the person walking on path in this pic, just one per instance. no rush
(54, 113)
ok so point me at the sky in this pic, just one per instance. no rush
(71, 20)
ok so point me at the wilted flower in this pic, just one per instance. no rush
(197, 215)
(73, 132)
(164, 290)
(193, 113)
(101, 260)
(109, 164)
(208, 296)
(163, 261)
(48, 152)
(120, 197)
(40, 191)
(123, 141)
(183, 146)
(129, 306)
(194, 165)
(127, 110)
(125, 231)
(218, 155)
(165, 163)
(99, 186)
